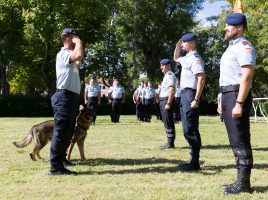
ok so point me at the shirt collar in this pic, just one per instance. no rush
(168, 71)
(191, 52)
(233, 42)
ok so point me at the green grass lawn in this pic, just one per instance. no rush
(124, 161)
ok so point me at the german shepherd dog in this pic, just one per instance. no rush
(41, 134)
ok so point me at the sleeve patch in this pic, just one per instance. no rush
(246, 43)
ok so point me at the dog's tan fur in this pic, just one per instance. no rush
(41, 134)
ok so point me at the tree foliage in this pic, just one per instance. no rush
(122, 38)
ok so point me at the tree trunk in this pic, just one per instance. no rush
(134, 50)
(152, 57)
(46, 68)
(5, 87)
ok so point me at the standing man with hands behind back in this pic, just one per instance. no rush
(166, 98)
(65, 99)
(236, 73)
(192, 84)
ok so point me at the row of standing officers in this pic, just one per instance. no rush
(144, 97)
(236, 73)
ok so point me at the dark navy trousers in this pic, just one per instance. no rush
(140, 109)
(116, 109)
(65, 107)
(148, 105)
(177, 114)
(167, 118)
(190, 123)
(93, 103)
(238, 129)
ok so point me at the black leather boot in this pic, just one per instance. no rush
(232, 184)
(169, 145)
(242, 184)
(193, 165)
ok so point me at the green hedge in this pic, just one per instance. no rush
(39, 106)
(25, 106)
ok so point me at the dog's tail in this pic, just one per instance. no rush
(26, 141)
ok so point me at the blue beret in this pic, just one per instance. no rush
(165, 62)
(188, 37)
(69, 31)
(236, 19)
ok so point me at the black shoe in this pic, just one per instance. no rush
(167, 146)
(241, 185)
(61, 171)
(190, 167)
(67, 163)
(238, 188)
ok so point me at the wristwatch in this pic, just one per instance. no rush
(197, 100)
(239, 102)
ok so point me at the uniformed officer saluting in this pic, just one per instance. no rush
(166, 98)
(236, 73)
(192, 84)
(116, 97)
(93, 96)
(65, 100)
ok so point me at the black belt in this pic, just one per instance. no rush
(229, 88)
(184, 89)
(163, 98)
(66, 91)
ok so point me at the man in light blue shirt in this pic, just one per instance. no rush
(93, 96)
(192, 84)
(166, 98)
(149, 98)
(236, 74)
(65, 100)
(137, 99)
(116, 96)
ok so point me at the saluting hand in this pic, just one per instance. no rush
(179, 43)
(237, 111)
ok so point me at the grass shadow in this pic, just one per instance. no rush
(144, 170)
(124, 162)
(260, 148)
(259, 189)
(219, 146)
(132, 162)
(209, 170)
(226, 146)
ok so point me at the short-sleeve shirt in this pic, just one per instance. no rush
(117, 92)
(93, 90)
(239, 53)
(149, 93)
(169, 80)
(178, 91)
(67, 72)
(192, 64)
(139, 91)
